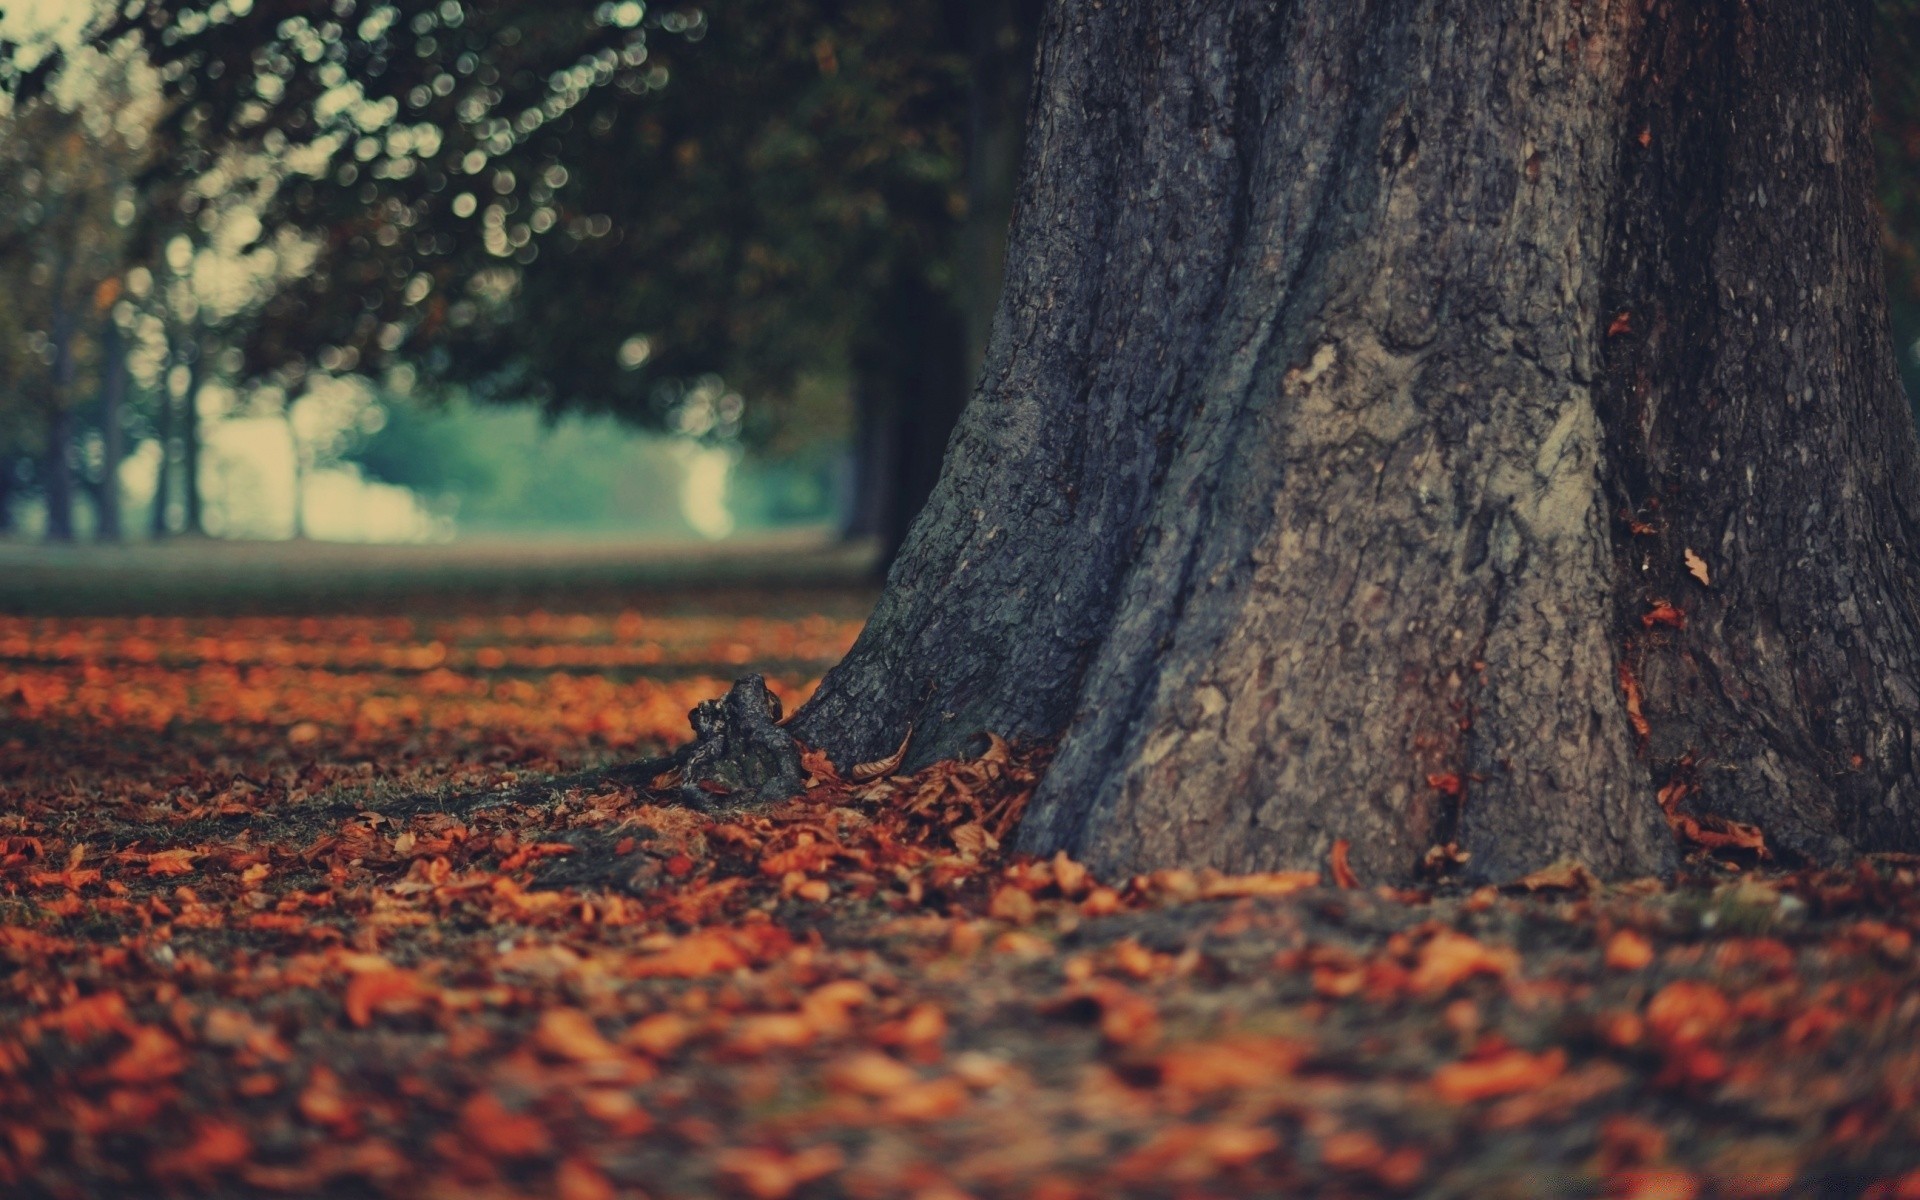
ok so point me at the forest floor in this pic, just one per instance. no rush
(317, 904)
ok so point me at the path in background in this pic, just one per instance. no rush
(208, 575)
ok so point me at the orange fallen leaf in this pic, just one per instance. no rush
(568, 1033)
(927, 1100)
(705, 952)
(1664, 614)
(767, 1174)
(1628, 951)
(1499, 1075)
(503, 1133)
(1276, 883)
(216, 1146)
(578, 1179)
(659, 1035)
(171, 862)
(383, 991)
(1448, 958)
(1688, 1010)
(152, 1056)
(1343, 875)
(1630, 687)
(871, 1073)
(1232, 1064)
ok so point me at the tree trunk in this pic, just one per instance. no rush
(1316, 487)
(908, 388)
(875, 444)
(909, 380)
(113, 393)
(57, 474)
(9, 479)
(158, 527)
(190, 449)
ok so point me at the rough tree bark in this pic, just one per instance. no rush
(1365, 374)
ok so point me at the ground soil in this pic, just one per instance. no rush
(343, 902)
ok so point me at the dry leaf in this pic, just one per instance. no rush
(879, 768)
(1343, 875)
(1697, 567)
(1502, 1074)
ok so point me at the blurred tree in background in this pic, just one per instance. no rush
(604, 208)
(771, 221)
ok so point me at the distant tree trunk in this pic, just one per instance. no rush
(299, 472)
(1426, 423)
(113, 392)
(163, 474)
(9, 483)
(908, 387)
(190, 448)
(876, 443)
(57, 473)
(909, 377)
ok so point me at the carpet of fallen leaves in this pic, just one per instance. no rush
(280, 914)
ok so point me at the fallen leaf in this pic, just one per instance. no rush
(768, 1174)
(502, 1133)
(1343, 875)
(1697, 567)
(1628, 951)
(1448, 958)
(1502, 1074)
(216, 1146)
(568, 1033)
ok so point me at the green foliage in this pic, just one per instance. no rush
(582, 205)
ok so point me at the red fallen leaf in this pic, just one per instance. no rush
(927, 1100)
(1343, 875)
(171, 862)
(1231, 1064)
(89, 1017)
(1621, 323)
(502, 1133)
(766, 1174)
(387, 991)
(1274, 883)
(1664, 614)
(1360, 1152)
(919, 1034)
(1125, 1017)
(1190, 1153)
(871, 1073)
(1012, 904)
(1659, 1183)
(1688, 1010)
(216, 1146)
(323, 1101)
(659, 1035)
(1628, 951)
(755, 1035)
(1718, 833)
(1448, 783)
(1449, 958)
(153, 1056)
(1630, 686)
(701, 953)
(1500, 1075)
(578, 1179)
(568, 1033)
